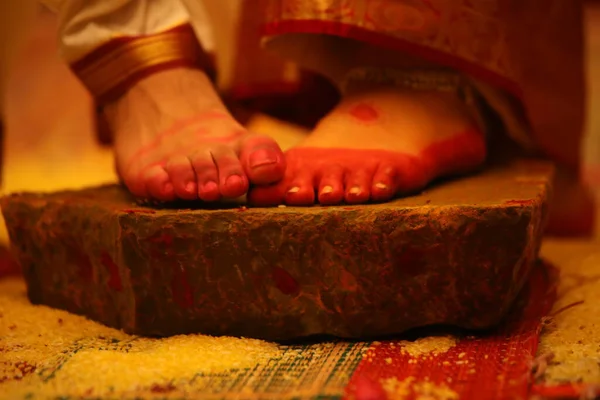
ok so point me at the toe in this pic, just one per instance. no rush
(301, 190)
(331, 187)
(207, 176)
(262, 159)
(385, 183)
(358, 187)
(181, 174)
(232, 180)
(158, 183)
(267, 196)
(294, 189)
(134, 180)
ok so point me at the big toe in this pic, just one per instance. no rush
(262, 160)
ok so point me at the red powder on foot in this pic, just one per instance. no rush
(398, 172)
(364, 113)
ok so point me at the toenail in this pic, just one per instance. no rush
(190, 187)
(326, 190)
(382, 186)
(354, 190)
(209, 186)
(234, 181)
(295, 189)
(262, 157)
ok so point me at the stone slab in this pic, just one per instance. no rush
(456, 254)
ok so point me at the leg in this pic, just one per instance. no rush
(173, 136)
(497, 45)
(399, 125)
(15, 19)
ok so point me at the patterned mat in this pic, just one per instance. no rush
(569, 351)
(46, 353)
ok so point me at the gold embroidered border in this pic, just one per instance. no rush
(417, 79)
(114, 67)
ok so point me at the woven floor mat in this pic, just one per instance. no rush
(46, 353)
(569, 351)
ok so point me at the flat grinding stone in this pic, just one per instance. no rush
(455, 254)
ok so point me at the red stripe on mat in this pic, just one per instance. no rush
(494, 366)
(566, 391)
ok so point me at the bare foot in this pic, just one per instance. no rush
(174, 138)
(377, 143)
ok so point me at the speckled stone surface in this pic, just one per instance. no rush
(456, 254)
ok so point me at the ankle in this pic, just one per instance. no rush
(171, 94)
(173, 81)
